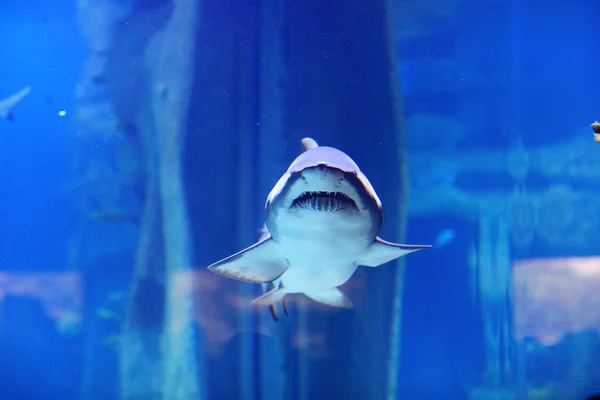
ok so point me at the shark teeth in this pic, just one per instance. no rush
(324, 201)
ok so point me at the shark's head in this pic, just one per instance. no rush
(323, 221)
(324, 183)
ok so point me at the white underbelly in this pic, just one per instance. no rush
(321, 247)
(317, 266)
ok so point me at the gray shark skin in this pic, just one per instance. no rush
(323, 219)
(8, 104)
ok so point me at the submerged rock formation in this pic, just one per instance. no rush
(108, 166)
(131, 59)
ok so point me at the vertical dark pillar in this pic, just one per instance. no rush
(342, 93)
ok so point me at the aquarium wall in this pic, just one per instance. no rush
(145, 141)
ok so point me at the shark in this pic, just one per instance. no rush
(8, 104)
(323, 219)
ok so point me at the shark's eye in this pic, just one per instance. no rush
(324, 201)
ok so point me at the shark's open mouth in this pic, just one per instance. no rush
(324, 201)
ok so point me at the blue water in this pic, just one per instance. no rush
(39, 49)
(103, 294)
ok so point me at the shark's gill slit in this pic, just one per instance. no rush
(324, 201)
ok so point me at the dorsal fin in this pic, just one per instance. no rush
(309, 143)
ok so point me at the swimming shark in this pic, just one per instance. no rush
(8, 104)
(323, 218)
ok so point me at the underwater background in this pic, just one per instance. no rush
(140, 139)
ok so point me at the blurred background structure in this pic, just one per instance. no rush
(155, 129)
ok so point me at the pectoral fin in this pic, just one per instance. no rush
(332, 297)
(258, 263)
(381, 252)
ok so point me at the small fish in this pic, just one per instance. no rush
(114, 216)
(105, 313)
(444, 237)
(7, 105)
(113, 342)
(596, 127)
(323, 220)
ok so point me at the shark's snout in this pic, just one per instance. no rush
(323, 188)
(323, 177)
